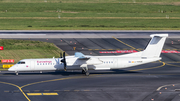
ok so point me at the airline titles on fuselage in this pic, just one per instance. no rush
(45, 63)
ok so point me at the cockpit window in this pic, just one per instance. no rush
(21, 62)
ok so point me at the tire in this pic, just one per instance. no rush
(87, 74)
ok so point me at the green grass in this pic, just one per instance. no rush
(40, 15)
(10, 44)
(24, 49)
(82, 1)
(99, 24)
(51, 8)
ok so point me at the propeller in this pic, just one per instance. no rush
(64, 61)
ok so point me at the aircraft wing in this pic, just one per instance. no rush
(89, 60)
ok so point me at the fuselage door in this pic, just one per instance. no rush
(32, 65)
(115, 63)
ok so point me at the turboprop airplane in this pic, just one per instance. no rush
(83, 62)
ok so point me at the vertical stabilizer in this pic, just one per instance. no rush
(155, 46)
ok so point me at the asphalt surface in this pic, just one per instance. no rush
(149, 82)
(116, 85)
(85, 34)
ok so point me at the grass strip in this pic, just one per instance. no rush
(90, 18)
(90, 24)
(24, 49)
(86, 1)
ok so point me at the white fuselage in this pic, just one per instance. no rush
(73, 63)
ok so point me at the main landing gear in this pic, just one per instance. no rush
(85, 71)
(16, 73)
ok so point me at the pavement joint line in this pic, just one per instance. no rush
(7, 91)
(56, 90)
(26, 91)
(16, 91)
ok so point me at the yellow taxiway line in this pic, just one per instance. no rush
(37, 94)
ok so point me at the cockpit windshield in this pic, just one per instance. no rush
(21, 62)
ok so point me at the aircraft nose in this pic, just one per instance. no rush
(12, 68)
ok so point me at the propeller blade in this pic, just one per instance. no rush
(64, 54)
(64, 61)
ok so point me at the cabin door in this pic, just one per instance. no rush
(32, 65)
(115, 63)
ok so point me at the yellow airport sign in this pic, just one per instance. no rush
(7, 65)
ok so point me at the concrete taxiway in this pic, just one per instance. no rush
(150, 82)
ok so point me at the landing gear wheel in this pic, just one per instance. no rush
(87, 74)
(83, 72)
(17, 73)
